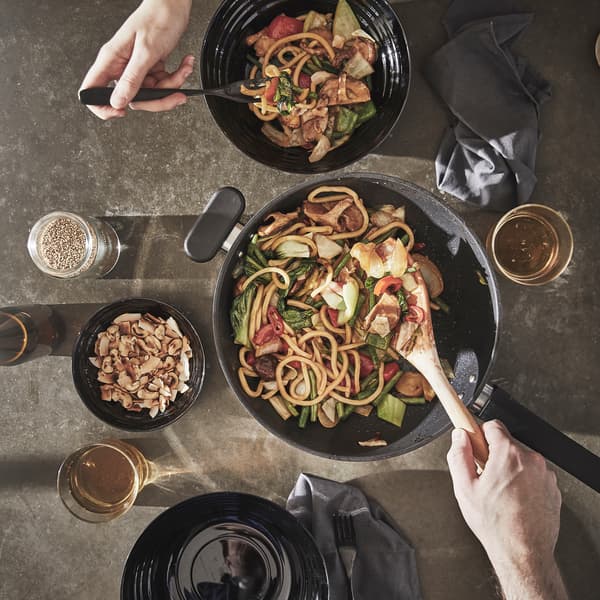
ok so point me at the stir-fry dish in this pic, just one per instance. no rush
(320, 68)
(323, 297)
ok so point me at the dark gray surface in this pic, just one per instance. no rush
(54, 154)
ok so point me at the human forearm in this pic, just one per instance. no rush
(530, 577)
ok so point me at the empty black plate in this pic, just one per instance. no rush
(225, 546)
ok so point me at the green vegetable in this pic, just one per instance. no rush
(343, 262)
(404, 239)
(402, 301)
(372, 352)
(345, 121)
(314, 411)
(292, 249)
(316, 61)
(304, 414)
(327, 66)
(370, 284)
(385, 236)
(339, 407)
(314, 20)
(387, 388)
(392, 410)
(381, 343)
(240, 315)
(284, 94)
(253, 60)
(358, 66)
(360, 302)
(292, 409)
(350, 294)
(345, 22)
(297, 319)
(419, 400)
(312, 95)
(365, 112)
(348, 410)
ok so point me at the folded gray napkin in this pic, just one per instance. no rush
(488, 157)
(385, 565)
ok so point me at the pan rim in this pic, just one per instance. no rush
(474, 243)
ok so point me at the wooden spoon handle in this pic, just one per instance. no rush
(458, 413)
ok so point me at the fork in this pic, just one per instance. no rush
(345, 538)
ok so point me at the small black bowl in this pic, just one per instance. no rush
(85, 374)
(224, 60)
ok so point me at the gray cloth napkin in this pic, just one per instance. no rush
(488, 157)
(385, 565)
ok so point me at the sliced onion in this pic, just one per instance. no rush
(398, 260)
(363, 34)
(326, 248)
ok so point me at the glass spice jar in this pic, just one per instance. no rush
(66, 245)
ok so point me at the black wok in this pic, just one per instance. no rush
(467, 338)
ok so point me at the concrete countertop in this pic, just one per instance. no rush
(55, 155)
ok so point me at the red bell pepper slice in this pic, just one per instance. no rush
(390, 370)
(282, 26)
(388, 283)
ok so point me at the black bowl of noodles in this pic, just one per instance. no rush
(224, 59)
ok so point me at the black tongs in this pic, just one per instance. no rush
(100, 96)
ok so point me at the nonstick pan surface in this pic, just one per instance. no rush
(466, 338)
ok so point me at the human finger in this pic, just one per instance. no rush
(496, 433)
(178, 77)
(100, 74)
(461, 461)
(169, 103)
(129, 83)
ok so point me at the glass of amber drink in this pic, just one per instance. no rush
(101, 481)
(531, 244)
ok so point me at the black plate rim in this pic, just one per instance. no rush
(217, 496)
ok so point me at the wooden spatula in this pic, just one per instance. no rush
(416, 344)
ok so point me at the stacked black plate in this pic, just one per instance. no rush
(225, 546)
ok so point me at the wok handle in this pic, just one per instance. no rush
(215, 226)
(539, 435)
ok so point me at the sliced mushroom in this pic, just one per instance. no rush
(149, 365)
(172, 324)
(105, 377)
(153, 411)
(159, 332)
(103, 343)
(106, 392)
(410, 384)
(175, 346)
(373, 443)
(107, 365)
(431, 274)
(127, 317)
(428, 392)
(145, 394)
(125, 328)
(95, 361)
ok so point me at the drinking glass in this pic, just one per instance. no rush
(101, 481)
(531, 244)
(27, 332)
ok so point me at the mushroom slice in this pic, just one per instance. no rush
(149, 365)
(105, 377)
(125, 328)
(159, 332)
(95, 361)
(146, 325)
(172, 323)
(107, 365)
(183, 387)
(145, 394)
(175, 346)
(327, 414)
(127, 317)
(153, 411)
(103, 343)
(410, 384)
(431, 274)
(106, 392)
(169, 363)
